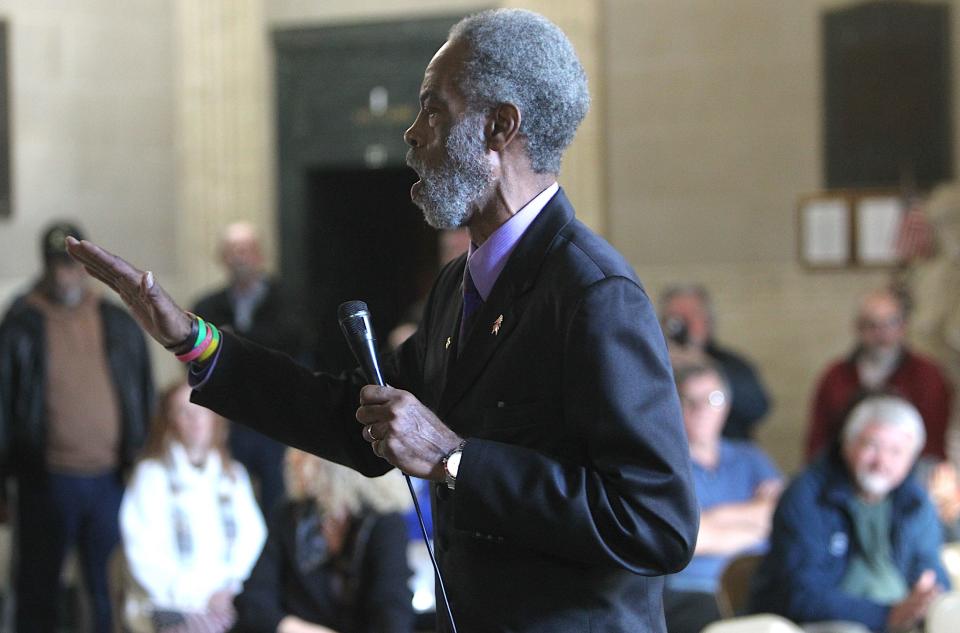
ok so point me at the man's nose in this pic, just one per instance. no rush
(410, 138)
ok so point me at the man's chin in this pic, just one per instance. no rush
(441, 219)
(874, 485)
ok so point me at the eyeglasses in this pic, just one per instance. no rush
(715, 400)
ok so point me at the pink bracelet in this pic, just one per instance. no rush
(199, 349)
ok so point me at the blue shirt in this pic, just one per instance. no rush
(742, 467)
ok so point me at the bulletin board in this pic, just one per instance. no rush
(849, 228)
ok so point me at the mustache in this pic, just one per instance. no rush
(413, 162)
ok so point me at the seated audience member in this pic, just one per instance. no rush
(854, 536)
(190, 524)
(943, 486)
(737, 488)
(335, 558)
(686, 314)
(881, 362)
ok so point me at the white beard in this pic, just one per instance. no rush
(874, 485)
(449, 192)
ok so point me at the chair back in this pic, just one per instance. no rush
(733, 595)
(944, 614)
(763, 623)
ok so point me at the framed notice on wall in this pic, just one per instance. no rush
(877, 220)
(849, 228)
(824, 231)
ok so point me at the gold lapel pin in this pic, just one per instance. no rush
(496, 325)
(447, 345)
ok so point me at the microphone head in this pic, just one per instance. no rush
(354, 317)
(357, 328)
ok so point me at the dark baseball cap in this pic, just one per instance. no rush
(53, 243)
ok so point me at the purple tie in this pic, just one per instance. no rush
(472, 302)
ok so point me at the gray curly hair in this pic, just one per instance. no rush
(520, 57)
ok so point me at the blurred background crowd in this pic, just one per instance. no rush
(252, 149)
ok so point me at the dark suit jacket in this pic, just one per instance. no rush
(574, 493)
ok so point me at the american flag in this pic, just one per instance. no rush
(915, 239)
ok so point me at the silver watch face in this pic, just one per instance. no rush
(453, 464)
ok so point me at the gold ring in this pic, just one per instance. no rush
(370, 433)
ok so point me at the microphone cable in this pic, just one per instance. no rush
(355, 321)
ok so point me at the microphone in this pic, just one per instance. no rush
(357, 328)
(355, 321)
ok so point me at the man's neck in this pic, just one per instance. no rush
(508, 196)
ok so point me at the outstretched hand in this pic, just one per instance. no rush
(152, 307)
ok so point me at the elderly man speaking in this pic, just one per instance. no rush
(537, 393)
(854, 537)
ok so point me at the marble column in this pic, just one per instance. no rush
(224, 131)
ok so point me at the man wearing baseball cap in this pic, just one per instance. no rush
(75, 397)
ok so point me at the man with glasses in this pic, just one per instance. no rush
(737, 488)
(881, 362)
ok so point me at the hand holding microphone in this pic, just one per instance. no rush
(400, 428)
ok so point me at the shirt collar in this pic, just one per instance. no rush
(486, 262)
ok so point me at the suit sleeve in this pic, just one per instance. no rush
(629, 502)
(269, 392)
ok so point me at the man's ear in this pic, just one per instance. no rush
(502, 126)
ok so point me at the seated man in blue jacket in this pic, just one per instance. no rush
(854, 537)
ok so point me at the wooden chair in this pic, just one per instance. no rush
(733, 596)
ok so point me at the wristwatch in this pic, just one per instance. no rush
(451, 465)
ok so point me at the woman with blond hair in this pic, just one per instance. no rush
(335, 558)
(190, 524)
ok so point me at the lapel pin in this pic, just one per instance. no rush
(447, 345)
(496, 325)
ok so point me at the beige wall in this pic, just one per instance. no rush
(714, 130)
(91, 127)
(705, 128)
(92, 130)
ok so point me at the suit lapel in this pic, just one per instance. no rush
(503, 309)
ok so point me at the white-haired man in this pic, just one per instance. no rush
(854, 536)
(537, 394)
